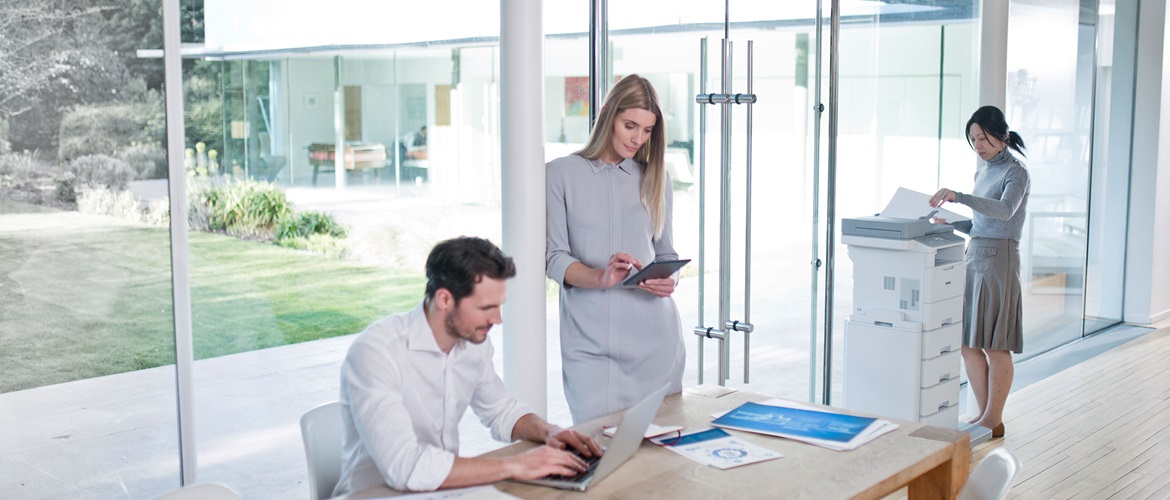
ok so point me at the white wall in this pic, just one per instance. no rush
(1147, 288)
(310, 110)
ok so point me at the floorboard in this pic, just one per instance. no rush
(1099, 429)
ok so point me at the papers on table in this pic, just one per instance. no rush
(652, 431)
(486, 492)
(716, 448)
(709, 390)
(835, 431)
(910, 204)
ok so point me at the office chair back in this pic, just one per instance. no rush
(993, 477)
(205, 491)
(321, 430)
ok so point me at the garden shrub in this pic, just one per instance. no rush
(102, 201)
(259, 210)
(98, 171)
(308, 223)
(246, 209)
(67, 188)
(148, 160)
(18, 167)
(109, 128)
(198, 211)
(158, 213)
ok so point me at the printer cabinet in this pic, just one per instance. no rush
(903, 374)
(903, 337)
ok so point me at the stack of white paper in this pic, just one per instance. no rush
(835, 431)
(910, 204)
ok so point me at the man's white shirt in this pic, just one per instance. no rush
(402, 399)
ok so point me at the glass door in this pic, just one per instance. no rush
(765, 257)
(907, 83)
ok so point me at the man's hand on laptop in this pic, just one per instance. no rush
(568, 438)
(545, 461)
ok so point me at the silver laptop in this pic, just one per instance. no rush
(625, 442)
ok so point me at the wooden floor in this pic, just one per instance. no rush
(1100, 429)
(1097, 430)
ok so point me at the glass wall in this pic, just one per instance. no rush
(305, 254)
(906, 90)
(1109, 192)
(290, 255)
(87, 398)
(1050, 104)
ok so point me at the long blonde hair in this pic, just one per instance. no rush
(635, 92)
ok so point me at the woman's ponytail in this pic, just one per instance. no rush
(1016, 142)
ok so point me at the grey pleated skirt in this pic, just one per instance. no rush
(992, 312)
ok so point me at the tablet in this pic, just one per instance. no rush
(655, 270)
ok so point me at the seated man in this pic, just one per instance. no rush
(409, 378)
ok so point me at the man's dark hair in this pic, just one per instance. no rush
(459, 263)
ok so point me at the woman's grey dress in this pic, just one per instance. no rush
(992, 306)
(617, 345)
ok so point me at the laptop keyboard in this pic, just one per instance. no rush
(590, 464)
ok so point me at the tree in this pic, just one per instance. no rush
(51, 57)
(137, 24)
(56, 54)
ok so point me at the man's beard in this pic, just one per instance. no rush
(453, 329)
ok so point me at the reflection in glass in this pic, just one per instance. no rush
(1050, 104)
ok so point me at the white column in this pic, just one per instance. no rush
(993, 54)
(1147, 283)
(522, 155)
(180, 277)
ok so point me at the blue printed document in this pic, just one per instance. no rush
(835, 431)
(716, 448)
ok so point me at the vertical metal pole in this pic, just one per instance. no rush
(598, 57)
(815, 262)
(245, 66)
(831, 198)
(725, 217)
(747, 246)
(397, 129)
(338, 126)
(702, 195)
(180, 275)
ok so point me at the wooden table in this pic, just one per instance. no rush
(932, 461)
(357, 157)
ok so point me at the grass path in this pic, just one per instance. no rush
(83, 296)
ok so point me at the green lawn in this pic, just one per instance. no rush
(83, 296)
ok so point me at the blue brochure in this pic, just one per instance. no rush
(793, 422)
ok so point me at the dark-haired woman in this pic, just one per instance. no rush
(992, 313)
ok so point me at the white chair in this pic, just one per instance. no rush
(993, 477)
(205, 491)
(321, 430)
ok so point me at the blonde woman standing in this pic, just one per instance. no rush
(609, 213)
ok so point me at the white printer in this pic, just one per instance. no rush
(903, 336)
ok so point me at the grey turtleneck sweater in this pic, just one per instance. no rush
(999, 199)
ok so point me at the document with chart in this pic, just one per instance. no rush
(836, 431)
(716, 448)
